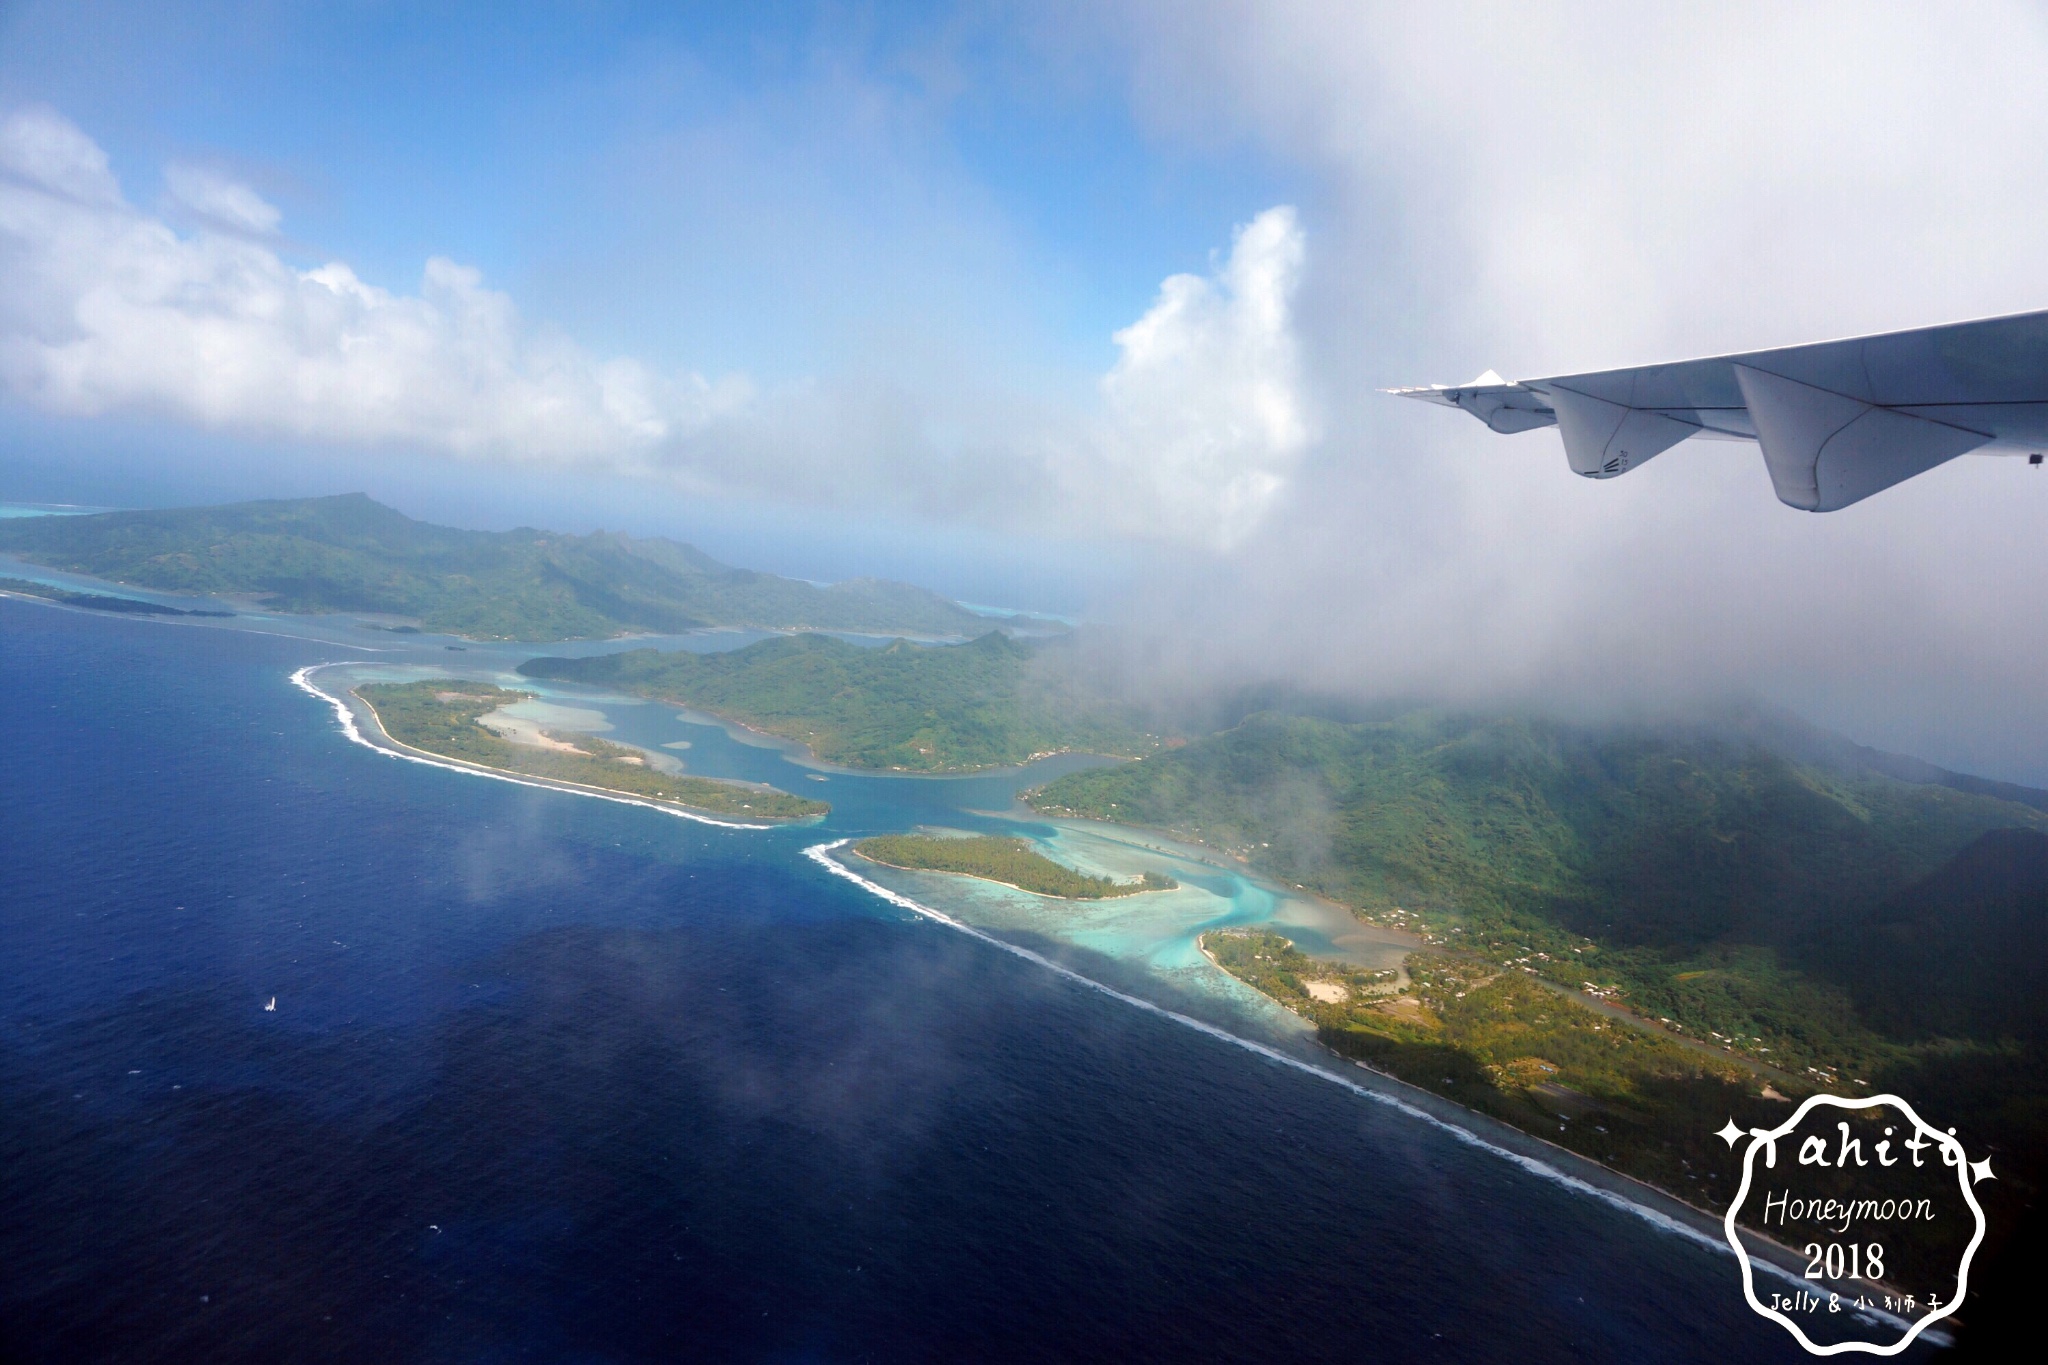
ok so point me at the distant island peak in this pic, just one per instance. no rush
(350, 553)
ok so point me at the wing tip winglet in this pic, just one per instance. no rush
(1502, 404)
(1449, 393)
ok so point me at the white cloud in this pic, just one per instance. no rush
(106, 309)
(220, 200)
(1560, 187)
(1205, 414)
(50, 153)
(1580, 183)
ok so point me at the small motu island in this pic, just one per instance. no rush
(1009, 861)
(452, 718)
(94, 601)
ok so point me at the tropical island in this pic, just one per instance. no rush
(995, 701)
(453, 719)
(351, 554)
(1629, 928)
(1012, 862)
(1633, 931)
(1636, 932)
(1640, 923)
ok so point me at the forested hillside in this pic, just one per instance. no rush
(951, 708)
(1779, 901)
(1709, 877)
(349, 553)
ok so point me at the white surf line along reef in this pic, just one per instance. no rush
(303, 680)
(821, 854)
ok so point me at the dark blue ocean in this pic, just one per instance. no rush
(553, 1079)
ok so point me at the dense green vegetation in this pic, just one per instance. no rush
(441, 717)
(1501, 1043)
(1505, 1044)
(349, 553)
(992, 702)
(1011, 861)
(1777, 901)
(1690, 873)
(98, 601)
(1262, 958)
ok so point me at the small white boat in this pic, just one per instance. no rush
(272, 1006)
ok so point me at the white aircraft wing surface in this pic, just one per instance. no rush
(1837, 420)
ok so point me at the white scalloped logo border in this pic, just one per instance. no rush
(1758, 1137)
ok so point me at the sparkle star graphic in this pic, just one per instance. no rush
(1731, 1134)
(1981, 1170)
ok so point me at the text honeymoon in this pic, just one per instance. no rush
(1842, 1212)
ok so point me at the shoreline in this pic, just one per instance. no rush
(1789, 1257)
(1548, 1161)
(1761, 1244)
(1619, 1013)
(1764, 1249)
(346, 717)
(580, 788)
(395, 749)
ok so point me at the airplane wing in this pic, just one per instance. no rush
(1837, 420)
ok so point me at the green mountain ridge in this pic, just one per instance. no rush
(350, 553)
(1504, 811)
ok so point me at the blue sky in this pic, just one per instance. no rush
(1075, 306)
(721, 186)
